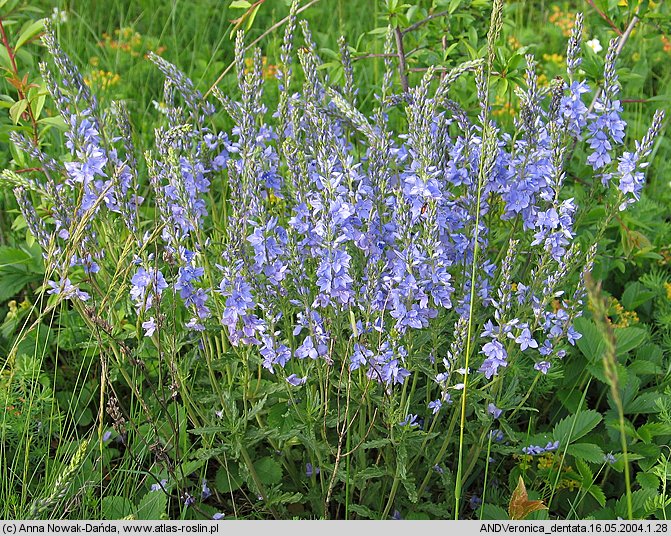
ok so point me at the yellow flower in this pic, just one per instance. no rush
(554, 58)
(514, 42)
(564, 21)
(101, 79)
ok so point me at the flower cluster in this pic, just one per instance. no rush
(332, 241)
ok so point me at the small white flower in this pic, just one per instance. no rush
(162, 107)
(595, 45)
(59, 16)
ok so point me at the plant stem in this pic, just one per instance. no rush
(402, 67)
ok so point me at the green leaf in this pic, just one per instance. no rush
(30, 32)
(370, 472)
(591, 344)
(185, 469)
(13, 256)
(116, 507)
(285, 498)
(647, 481)
(269, 471)
(638, 499)
(596, 492)
(152, 506)
(17, 109)
(645, 403)
(240, 4)
(227, 481)
(56, 122)
(12, 281)
(636, 295)
(494, 512)
(363, 511)
(376, 443)
(251, 17)
(586, 451)
(629, 338)
(454, 4)
(649, 431)
(586, 475)
(573, 427)
(641, 367)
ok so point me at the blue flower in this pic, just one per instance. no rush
(161, 485)
(294, 380)
(309, 470)
(360, 356)
(542, 366)
(307, 349)
(205, 493)
(494, 411)
(67, 290)
(572, 335)
(496, 357)
(497, 435)
(435, 406)
(474, 502)
(149, 326)
(410, 420)
(525, 340)
(147, 285)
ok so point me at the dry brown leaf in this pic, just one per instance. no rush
(520, 506)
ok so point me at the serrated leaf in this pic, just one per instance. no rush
(376, 444)
(573, 427)
(647, 481)
(645, 403)
(370, 472)
(152, 506)
(591, 344)
(269, 471)
(116, 507)
(648, 432)
(598, 494)
(494, 512)
(228, 480)
(586, 475)
(520, 506)
(636, 295)
(642, 367)
(586, 451)
(12, 281)
(638, 499)
(629, 338)
(362, 511)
